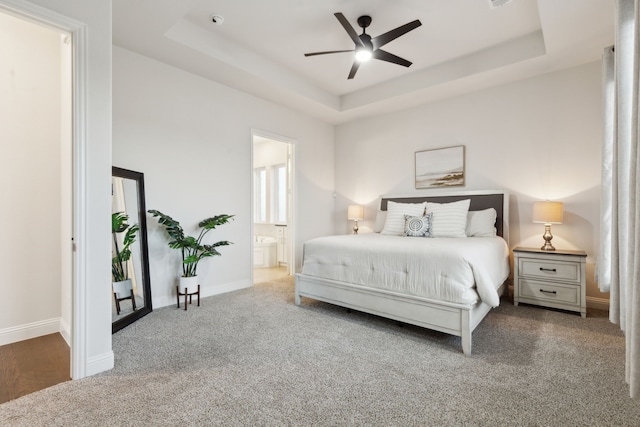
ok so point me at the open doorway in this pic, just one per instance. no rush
(37, 164)
(272, 207)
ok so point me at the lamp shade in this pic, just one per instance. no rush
(355, 212)
(547, 212)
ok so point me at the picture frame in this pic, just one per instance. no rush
(440, 167)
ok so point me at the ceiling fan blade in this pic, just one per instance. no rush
(327, 52)
(390, 57)
(354, 69)
(385, 38)
(352, 33)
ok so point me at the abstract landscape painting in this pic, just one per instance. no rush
(443, 167)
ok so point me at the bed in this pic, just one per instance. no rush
(448, 284)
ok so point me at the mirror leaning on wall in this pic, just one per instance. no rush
(131, 287)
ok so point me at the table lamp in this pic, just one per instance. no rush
(355, 213)
(547, 213)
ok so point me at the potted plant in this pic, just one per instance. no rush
(122, 287)
(192, 248)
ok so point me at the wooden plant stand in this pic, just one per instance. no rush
(131, 297)
(187, 295)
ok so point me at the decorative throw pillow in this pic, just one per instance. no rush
(381, 217)
(449, 219)
(394, 224)
(417, 226)
(482, 223)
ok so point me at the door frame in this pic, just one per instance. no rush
(80, 57)
(291, 198)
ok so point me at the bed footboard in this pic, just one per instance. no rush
(455, 319)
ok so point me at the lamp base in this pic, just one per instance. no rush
(548, 247)
(355, 227)
(547, 236)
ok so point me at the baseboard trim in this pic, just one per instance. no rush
(29, 330)
(100, 363)
(65, 331)
(227, 287)
(598, 303)
(205, 292)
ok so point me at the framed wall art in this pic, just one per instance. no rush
(442, 167)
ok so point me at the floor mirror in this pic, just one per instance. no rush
(131, 287)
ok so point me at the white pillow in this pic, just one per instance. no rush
(449, 219)
(394, 224)
(381, 217)
(482, 223)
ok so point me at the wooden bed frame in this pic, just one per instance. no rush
(455, 319)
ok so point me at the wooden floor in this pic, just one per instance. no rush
(266, 274)
(32, 365)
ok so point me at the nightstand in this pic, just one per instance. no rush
(550, 278)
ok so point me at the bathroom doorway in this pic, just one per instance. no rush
(272, 207)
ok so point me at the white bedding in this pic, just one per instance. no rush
(458, 270)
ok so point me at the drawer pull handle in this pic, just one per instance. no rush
(548, 292)
(552, 270)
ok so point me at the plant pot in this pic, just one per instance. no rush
(122, 289)
(189, 283)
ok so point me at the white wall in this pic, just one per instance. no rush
(192, 139)
(539, 139)
(30, 96)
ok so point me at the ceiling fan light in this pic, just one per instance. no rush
(363, 55)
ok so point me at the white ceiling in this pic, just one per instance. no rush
(462, 46)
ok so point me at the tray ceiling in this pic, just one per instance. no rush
(462, 45)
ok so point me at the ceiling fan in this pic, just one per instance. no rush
(368, 47)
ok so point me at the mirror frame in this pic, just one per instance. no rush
(138, 177)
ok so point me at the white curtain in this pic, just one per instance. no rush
(619, 260)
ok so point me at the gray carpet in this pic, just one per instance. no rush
(254, 358)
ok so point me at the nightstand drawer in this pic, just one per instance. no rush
(550, 270)
(566, 294)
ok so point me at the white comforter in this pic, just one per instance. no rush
(458, 270)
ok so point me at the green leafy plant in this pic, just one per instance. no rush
(119, 261)
(192, 248)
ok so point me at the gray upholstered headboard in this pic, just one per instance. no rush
(479, 201)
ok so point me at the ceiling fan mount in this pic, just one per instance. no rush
(364, 21)
(369, 47)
